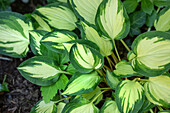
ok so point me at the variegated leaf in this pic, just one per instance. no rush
(157, 90)
(129, 96)
(14, 34)
(86, 9)
(151, 53)
(60, 107)
(105, 45)
(42, 107)
(109, 107)
(35, 37)
(112, 19)
(82, 83)
(80, 105)
(59, 41)
(163, 22)
(40, 70)
(85, 59)
(58, 16)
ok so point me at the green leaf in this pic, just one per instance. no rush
(82, 83)
(48, 92)
(4, 87)
(147, 6)
(157, 90)
(129, 96)
(40, 70)
(71, 69)
(164, 111)
(58, 16)
(85, 59)
(152, 53)
(137, 20)
(14, 34)
(59, 40)
(109, 107)
(111, 79)
(42, 107)
(163, 21)
(112, 19)
(124, 69)
(86, 10)
(35, 37)
(146, 106)
(151, 19)
(91, 95)
(42, 24)
(130, 5)
(60, 107)
(161, 3)
(91, 34)
(80, 105)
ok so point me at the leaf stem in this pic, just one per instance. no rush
(160, 108)
(107, 88)
(148, 29)
(107, 67)
(114, 58)
(139, 79)
(4, 79)
(125, 45)
(61, 99)
(98, 95)
(116, 50)
(151, 110)
(109, 61)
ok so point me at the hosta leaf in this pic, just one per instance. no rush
(129, 96)
(14, 34)
(4, 87)
(48, 92)
(124, 69)
(109, 107)
(42, 107)
(82, 83)
(161, 3)
(42, 24)
(85, 59)
(60, 107)
(91, 34)
(130, 5)
(71, 69)
(146, 106)
(147, 6)
(164, 111)
(86, 10)
(58, 16)
(157, 90)
(163, 22)
(112, 19)
(152, 53)
(58, 41)
(111, 79)
(91, 95)
(80, 105)
(40, 70)
(35, 37)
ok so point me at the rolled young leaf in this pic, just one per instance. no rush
(40, 70)
(58, 16)
(14, 34)
(157, 90)
(152, 53)
(82, 83)
(89, 33)
(109, 107)
(129, 96)
(85, 59)
(112, 19)
(80, 105)
(111, 79)
(86, 10)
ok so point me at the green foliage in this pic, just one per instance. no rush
(74, 43)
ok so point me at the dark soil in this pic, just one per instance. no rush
(22, 94)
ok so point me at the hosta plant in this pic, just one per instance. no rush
(77, 58)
